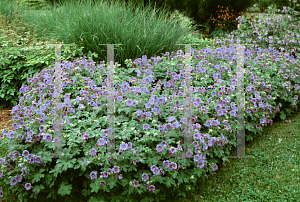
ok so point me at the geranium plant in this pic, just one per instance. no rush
(148, 133)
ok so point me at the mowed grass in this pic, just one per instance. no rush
(272, 175)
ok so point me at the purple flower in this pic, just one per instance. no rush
(93, 152)
(147, 105)
(27, 186)
(145, 126)
(145, 177)
(172, 118)
(129, 102)
(172, 150)
(215, 167)
(135, 183)
(129, 145)
(13, 181)
(159, 148)
(103, 183)
(166, 163)
(93, 175)
(116, 169)
(123, 146)
(151, 188)
(101, 141)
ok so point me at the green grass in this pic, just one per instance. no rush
(273, 175)
(141, 30)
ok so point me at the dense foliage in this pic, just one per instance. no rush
(151, 143)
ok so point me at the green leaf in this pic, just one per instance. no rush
(38, 175)
(64, 189)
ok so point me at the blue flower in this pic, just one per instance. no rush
(101, 141)
(25, 153)
(159, 148)
(134, 103)
(169, 126)
(155, 170)
(189, 153)
(93, 152)
(93, 175)
(151, 101)
(27, 186)
(166, 163)
(183, 120)
(145, 177)
(148, 114)
(123, 146)
(173, 166)
(135, 183)
(116, 169)
(200, 164)
(215, 167)
(172, 118)
(154, 110)
(162, 127)
(151, 188)
(18, 178)
(195, 143)
(104, 174)
(38, 159)
(176, 124)
(145, 126)
(13, 181)
(172, 150)
(129, 102)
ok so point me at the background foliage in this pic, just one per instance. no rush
(202, 12)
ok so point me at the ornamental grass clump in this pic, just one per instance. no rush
(148, 126)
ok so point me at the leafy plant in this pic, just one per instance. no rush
(143, 132)
(271, 32)
(22, 55)
(85, 119)
(32, 143)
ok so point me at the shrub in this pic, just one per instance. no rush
(286, 42)
(22, 55)
(82, 130)
(152, 167)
